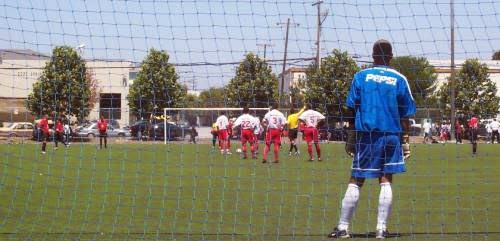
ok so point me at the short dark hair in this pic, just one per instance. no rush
(246, 110)
(382, 48)
(274, 105)
(292, 110)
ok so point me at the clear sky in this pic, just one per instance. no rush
(193, 31)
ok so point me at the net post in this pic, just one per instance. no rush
(165, 126)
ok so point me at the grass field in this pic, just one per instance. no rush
(189, 192)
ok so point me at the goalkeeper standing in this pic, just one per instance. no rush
(379, 105)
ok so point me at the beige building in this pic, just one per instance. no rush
(292, 76)
(19, 69)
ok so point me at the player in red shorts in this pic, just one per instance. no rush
(222, 130)
(246, 122)
(274, 121)
(256, 134)
(43, 124)
(311, 119)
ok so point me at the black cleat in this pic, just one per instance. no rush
(336, 233)
(264, 161)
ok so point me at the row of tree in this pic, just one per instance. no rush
(67, 87)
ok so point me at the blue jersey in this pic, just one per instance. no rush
(381, 97)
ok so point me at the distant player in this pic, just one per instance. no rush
(43, 124)
(256, 133)
(427, 131)
(379, 106)
(58, 132)
(495, 127)
(293, 130)
(473, 126)
(246, 122)
(102, 126)
(215, 134)
(222, 131)
(67, 133)
(274, 121)
(311, 119)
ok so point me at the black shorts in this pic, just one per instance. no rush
(292, 133)
(103, 134)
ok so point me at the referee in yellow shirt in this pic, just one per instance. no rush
(293, 129)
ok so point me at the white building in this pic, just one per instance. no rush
(20, 68)
(292, 76)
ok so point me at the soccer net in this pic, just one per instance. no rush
(155, 70)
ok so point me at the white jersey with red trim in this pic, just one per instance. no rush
(311, 118)
(222, 122)
(275, 119)
(246, 121)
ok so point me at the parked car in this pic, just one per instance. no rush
(138, 129)
(91, 131)
(17, 129)
(156, 131)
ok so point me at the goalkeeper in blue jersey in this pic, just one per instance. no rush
(379, 105)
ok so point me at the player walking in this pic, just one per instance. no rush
(379, 105)
(274, 121)
(246, 122)
(102, 126)
(495, 126)
(222, 131)
(293, 130)
(311, 119)
(43, 124)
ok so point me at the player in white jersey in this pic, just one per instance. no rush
(222, 125)
(246, 122)
(256, 133)
(311, 119)
(274, 121)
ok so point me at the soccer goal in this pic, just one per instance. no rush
(201, 119)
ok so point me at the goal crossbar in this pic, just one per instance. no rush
(199, 109)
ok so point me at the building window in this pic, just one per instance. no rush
(110, 105)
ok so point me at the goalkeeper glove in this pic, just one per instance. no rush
(405, 144)
(350, 144)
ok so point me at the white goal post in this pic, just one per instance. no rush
(199, 109)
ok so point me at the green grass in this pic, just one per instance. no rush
(188, 192)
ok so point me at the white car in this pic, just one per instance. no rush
(15, 129)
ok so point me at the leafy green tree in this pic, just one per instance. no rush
(65, 87)
(297, 93)
(213, 97)
(475, 92)
(327, 89)
(254, 84)
(155, 86)
(496, 55)
(421, 78)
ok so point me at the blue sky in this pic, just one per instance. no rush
(223, 31)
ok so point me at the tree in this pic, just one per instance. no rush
(496, 55)
(213, 97)
(475, 92)
(327, 90)
(254, 84)
(155, 86)
(421, 77)
(65, 87)
(297, 93)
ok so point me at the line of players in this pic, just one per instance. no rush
(273, 123)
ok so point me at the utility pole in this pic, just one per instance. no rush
(284, 57)
(318, 33)
(265, 48)
(452, 67)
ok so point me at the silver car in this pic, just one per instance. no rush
(91, 131)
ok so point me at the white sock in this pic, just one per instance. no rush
(349, 204)
(384, 205)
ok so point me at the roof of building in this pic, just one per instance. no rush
(21, 54)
